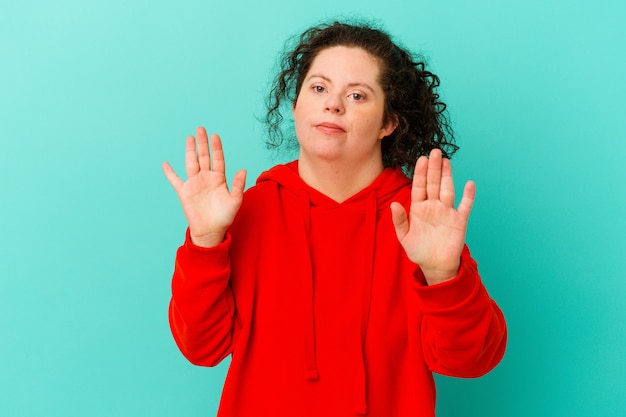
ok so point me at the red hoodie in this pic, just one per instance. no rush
(321, 310)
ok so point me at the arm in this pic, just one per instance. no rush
(463, 331)
(202, 308)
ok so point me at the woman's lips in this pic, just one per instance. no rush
(330, 128)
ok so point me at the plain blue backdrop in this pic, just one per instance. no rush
(94, 95)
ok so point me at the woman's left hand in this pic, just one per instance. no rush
(433, 234)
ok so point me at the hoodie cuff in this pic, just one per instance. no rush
(195, 256)
(452, 293)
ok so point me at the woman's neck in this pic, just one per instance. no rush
(338, 181)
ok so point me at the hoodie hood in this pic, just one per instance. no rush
(386, 185)
(369, 203)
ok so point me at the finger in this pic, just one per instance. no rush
(171, 176)
(467, 201)
(204, 157)
(239, 183)
(433, 176)
(418, 191)
(217, 155)
(446, 193)
(400, 220)
(191, 158)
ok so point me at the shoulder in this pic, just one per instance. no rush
(392, 186)
(260, 194)
(269, 184)
(264, 196)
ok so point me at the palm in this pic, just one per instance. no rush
(209, 206)
(433, 234)
(207, 201)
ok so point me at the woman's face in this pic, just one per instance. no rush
(338, 113)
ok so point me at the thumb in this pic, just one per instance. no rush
(239, 184)
(400, 219)
(171, 176)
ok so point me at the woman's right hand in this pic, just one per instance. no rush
(209, 206)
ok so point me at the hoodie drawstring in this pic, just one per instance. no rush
(310, 356)
(368, 278)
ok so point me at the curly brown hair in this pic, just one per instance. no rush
(410, 96)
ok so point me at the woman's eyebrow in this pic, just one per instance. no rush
(354, 84)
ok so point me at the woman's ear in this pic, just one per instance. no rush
(389, 126)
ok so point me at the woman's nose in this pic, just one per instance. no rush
(334, 104)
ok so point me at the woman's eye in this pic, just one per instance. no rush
(357, 96)
(318, 88)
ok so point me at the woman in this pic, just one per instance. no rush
(337, 284)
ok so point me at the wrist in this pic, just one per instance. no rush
(208, 240)
(437, 276)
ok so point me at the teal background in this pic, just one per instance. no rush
(95, 95)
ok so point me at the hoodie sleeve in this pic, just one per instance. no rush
(202, 307)
(463, 330)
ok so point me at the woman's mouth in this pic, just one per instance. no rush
(330, 128)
